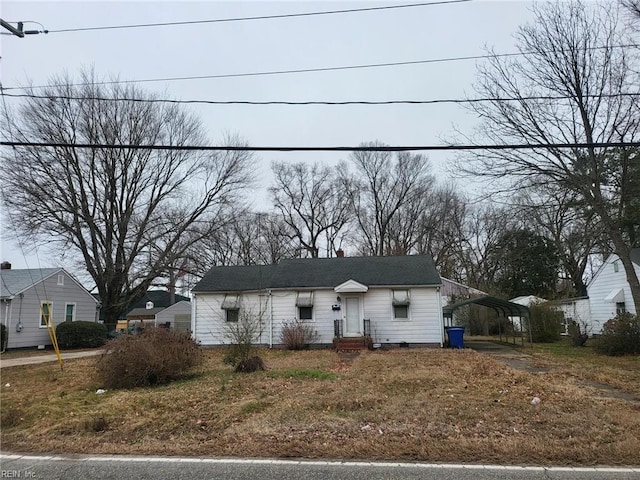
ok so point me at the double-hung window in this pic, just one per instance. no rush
(231, 306)
(70, 312)
(46, 309)
(400, 304)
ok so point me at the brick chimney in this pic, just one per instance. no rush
(5, 266)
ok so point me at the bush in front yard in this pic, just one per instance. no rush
(620, 335)
(81, 334)
(297, 335)
(155, 356)
(546, 323)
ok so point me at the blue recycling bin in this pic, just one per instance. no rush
(456, 337)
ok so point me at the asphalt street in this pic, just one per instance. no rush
(69, 467)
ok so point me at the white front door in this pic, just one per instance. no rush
(353, 317)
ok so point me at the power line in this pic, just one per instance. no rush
(306, 70)
(316, 102)
(261, 17)
(524, 146)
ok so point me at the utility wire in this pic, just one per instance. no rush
(524, 146)
(306, 70)
(261, 17)
(318, 102)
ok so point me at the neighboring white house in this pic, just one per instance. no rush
(609, 292)
(398, 297)
(25, 291)
(177, 316)
(527, 300)
(574, 310)
(452, 289)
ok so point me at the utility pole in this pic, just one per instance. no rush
(18, 31)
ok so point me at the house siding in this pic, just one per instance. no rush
(577, 310)
(209, 318)
(169, 314)
(423, 327)
(605, 281)
(29, 312)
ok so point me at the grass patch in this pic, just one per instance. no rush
(409, 404)
(305, 374)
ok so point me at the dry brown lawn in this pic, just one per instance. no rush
(416, 405)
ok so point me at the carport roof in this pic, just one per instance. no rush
(505, 307)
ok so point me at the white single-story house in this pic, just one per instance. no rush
(176, 316)
(26, 291)
(395, 300)
(609, 292)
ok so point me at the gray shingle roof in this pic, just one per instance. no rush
(17, 281)
(323, 273)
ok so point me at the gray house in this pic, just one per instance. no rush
(395, 300)
(24, 291)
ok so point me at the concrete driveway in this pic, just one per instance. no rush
(508, 354)
(45, 358)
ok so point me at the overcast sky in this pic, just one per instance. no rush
(372, 37)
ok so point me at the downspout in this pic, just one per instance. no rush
(270, 300)
(440, 317)
(7, 323)
(194, 301)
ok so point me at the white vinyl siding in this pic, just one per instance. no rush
(603, 284)
(423, 327)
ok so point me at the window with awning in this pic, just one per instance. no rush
(400, 302)
(401, 297)
(304, 302)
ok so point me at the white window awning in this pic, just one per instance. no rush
(400, 297)
(231, 301)
(304, 299)
(616, 296)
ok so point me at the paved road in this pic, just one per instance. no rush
(173, 468)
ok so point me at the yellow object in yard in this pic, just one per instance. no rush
(122, 326)
(46, 313)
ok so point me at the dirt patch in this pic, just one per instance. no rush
(608, 391)
(509, 356)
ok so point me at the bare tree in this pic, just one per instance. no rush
(442, 229)
(633, 6)
(576, 233)
(572, 57)
(485, 225)
(312, 203)
(247, 238)
(129, 213)
(385, 192)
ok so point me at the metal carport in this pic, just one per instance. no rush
(503, 308)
